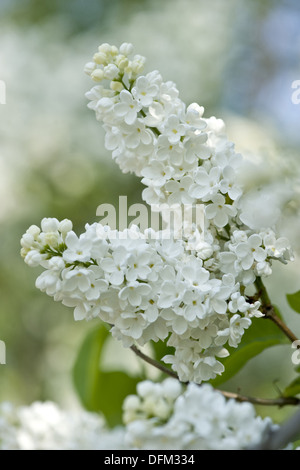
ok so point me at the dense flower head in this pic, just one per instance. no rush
(150, 288)
(190, 291)
(45, 426)
(162, 415)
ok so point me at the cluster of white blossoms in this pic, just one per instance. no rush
(161, 416)
(188, 291)
(45, 426)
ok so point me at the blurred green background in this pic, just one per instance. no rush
(237, 58)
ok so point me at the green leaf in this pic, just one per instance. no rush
(292, 389)
(86, 367)
(262, 334)
(294, 301)
(100, 391)
(113, 388)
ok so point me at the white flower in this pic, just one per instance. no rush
(151, 311)
(156, 115)
(114, 138)
(169, 95)
(115, 266)
(134, 293)
(131, 325)
(28, 244)
(127, 108)
(195, 307)
(238, 303)
(196, 275)
(263, 268)
(207, 368)
(138, 265)
(193, 116)
(234, 332)
(78, 249)
(195, 148)
(157, 172)
(219, 211)
(279, 248)
(174, 129)
(228, 183)
(49, 282)
(97, 284)
(250, 251)
(77, 279)
(206, 335)
(104, 108)
(145, 91)
(218, 296)
(239, 236)
(34, 258)
(153, 195)
(174, 153)
(136, 134)
(179, 191)
(176, 319)
(170, 250)
(171, 293)
(206, 183)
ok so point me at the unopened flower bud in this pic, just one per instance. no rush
(100, 58)
(65, 226)
(116, 86)
(111, 71)
(89, 68)
(97, 75)
(126, 48)
(49, 224)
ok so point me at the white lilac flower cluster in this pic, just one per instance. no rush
(189, 291)
(146, 288)
(164, 415)
(45, 426)
(161, 416)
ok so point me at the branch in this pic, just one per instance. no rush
(269, 311)
(281, 401)
(153, 362)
